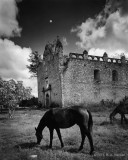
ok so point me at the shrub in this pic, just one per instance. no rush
(29, 103)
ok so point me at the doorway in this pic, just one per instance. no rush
(47, 100)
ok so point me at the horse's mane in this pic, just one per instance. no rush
(54, 105)
(122, 103)
(124, 100)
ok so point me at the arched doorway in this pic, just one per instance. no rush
(47, 100)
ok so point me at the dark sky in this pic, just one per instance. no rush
(97, 25)
(35, 15)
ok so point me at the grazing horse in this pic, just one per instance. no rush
(122, 109)
(57, 118)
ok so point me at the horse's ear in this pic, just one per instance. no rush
(35, 128)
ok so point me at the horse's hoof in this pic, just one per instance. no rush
(62, 146)
(91, 152)
(80, 148)
(126, 121)
(50, 147)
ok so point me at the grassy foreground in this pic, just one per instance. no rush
(17, 139)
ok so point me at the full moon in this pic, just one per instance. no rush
(50, 20)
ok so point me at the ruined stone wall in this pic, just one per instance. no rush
(40, 82)
(72, 79)
(49, 69)
(79, 85)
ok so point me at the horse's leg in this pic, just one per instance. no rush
(60, 138)
(9, 113)
(83, 135)
(51, 137)
(122, 116)
(84, 132)
(90, 141)
(125, 119)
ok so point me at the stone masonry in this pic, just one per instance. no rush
(80, 78)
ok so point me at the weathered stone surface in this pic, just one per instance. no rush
(72, 78)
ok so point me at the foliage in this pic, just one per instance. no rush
(34, 59)
(30, 102)
(13, 91)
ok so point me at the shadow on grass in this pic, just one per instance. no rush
(76, 150)
(56, 148)
(73, 150)
(26, 145)
(105, 123)
(3, 112)
(3, 118)
(30, 145)
(124, 126)
(47, 148)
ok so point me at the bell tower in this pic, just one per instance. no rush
(50, 78)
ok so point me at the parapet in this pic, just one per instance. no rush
(104, 58)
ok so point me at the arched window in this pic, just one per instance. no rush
(96, 75)
(114, 75)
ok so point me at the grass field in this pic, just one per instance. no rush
(17, 139)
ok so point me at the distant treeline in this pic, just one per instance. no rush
(30, 103)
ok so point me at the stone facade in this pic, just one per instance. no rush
(80, 78)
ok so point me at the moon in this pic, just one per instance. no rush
(50, 21)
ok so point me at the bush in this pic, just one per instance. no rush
(29, 103)
(54, 105)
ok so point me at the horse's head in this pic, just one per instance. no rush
(114, 112)
(38, 136)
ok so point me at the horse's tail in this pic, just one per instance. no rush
(90, 121)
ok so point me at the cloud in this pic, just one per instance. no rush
(108, 31)
(13, 61)
(13, 58)
(8, 23)
(112, 54)
(120, 5)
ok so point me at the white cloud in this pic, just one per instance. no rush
(8, 23)
(13, 61)
(108, 31)
(112, 54)
(98, 52)
(13, 58)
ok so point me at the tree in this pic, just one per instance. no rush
(22, 92)
(2, 94)
(34, 59)
(12, 91)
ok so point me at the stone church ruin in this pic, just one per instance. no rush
(80, 78)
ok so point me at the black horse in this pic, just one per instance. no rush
(57, 118)
(122, 109)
